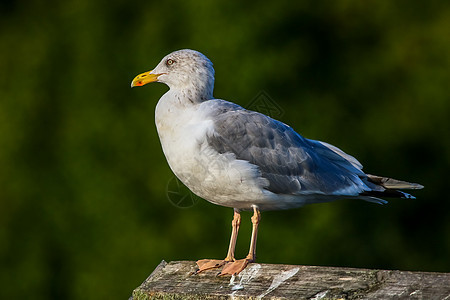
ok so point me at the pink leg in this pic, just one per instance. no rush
(234, 233)
(206, 264)
(237, 266)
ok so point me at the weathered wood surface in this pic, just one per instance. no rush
(175, 280)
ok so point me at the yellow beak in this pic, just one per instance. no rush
(144, 78)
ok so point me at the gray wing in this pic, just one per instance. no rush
(291, 163)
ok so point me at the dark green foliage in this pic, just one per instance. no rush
(84, 212)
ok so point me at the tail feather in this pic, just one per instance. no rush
(387, 187)
(389, 194)
(390, 183)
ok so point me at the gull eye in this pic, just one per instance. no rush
(170, 62)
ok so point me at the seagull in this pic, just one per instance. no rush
(245, 160)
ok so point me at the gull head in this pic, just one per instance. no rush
(186, 71)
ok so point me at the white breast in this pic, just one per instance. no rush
(218, 178)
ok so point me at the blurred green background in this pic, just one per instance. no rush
(84, 211)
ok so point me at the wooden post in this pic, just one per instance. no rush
(175, 280)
